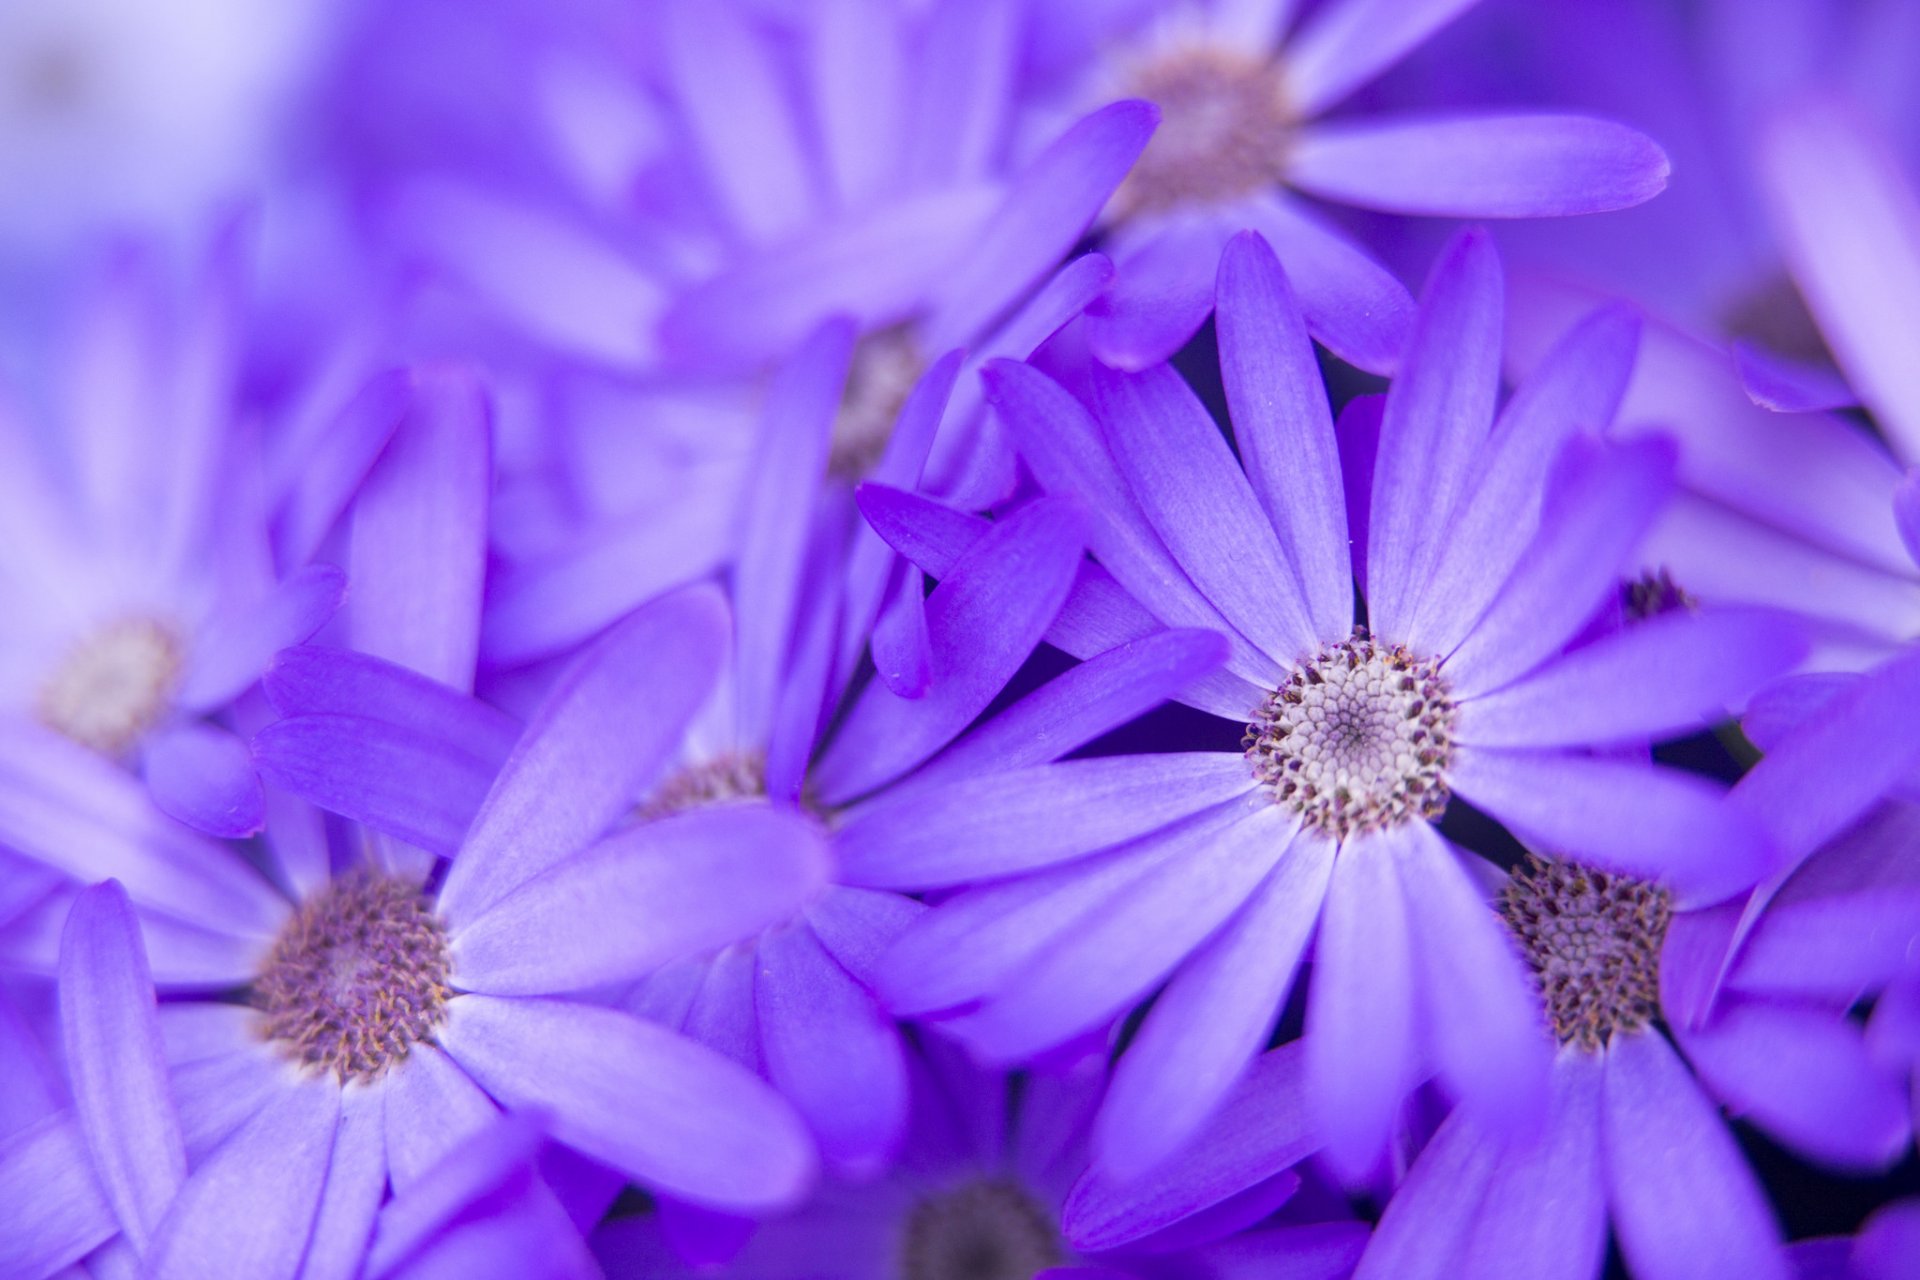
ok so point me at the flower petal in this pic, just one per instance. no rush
(673, 887)
(203, 776)
(1665, 1146)
(111, 1032)
(1160, 296)
(1354, 307)
(307, 679)
(249, 1208)
(236, 647)
(666, 1111)
(356, 1183)
(59, 1214)
(1345, 45)
(431, 1107)
(1480, 166)
(606, 727)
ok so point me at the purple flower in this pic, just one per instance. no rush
(1216, 869)
(143, 595)
(1242, 100)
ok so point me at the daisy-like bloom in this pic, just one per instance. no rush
(142, 589)
(1631, 1131)
(979, 1188)
(1215, 869)
(1245, 97)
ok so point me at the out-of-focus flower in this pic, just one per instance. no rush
(141, 584)
(1216, 868)
(1242, 99)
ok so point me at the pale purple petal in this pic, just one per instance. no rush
(481, 1163)
(970, 52)
(219, 1094)
(1665, 1146)
(356, 1182)
(856, 926)
(983, 620)
(1849, 221)
(608, 725)
(203, 775)
(249, 1208)
(1283, 426)
(431, 1105)
(1481, 166)
(1787, 386)
(1100, 965)
(1657, 679)
(1160, 296)
(901, 649)
(674, 887)
(722, 1016)
(1190, 486)
(1608, 498)
(57, 1212)
(1349, 43)
(1354, 306)
(1263, 1128)
(741, 119)
(1802, 1073)
(1423, 1235)
(671, 1113)
(1654, 823)
(115, 1066)
(311, 678)
(856, 55)
(235, 648)
(1211, 1019)
(420, 533)
(831, 1051)
(997, 824)
(1438, 413)
(1048, 206)
(1360, 1021)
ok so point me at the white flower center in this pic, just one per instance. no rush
(1225, 127)
(114, 686)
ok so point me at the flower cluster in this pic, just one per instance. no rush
(874, 640)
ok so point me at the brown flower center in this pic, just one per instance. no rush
(985, 1230)
(1225, 128)
(886, 365)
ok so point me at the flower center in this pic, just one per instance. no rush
(729, 777)
(985, 1230)
(1224, 129)
(886, 364)
(1593, 941)
(357, 977)
(115, 685)
(1358, 738)
(1654, 593)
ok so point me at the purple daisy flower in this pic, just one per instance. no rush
(144, 597)
(1243, 99)
(1631, 1131)
(1217, 869)
(979, 1188)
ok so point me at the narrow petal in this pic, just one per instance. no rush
(414, 787)
(230, 655)
(249, 1209)
(1346, 45)
(1263, 1128)
(970, 53)
(901, 649)
(311, 678)
(1645, 821)
(1074, 708)
(1656, 679)
(1577, 387)
(997, 824)
(1359, 1037)
(1849, 220)
(860, 86)
(111, 1032)
(1439, 411)
(790, 459)
(420, 533)
(480, 1165)
(607, 726)
(431, 1106)
(1598, 515)
(1211, 1020)
(1093, 972)
(1480, 1015)
(856, 926)
(1802, 1073)
(1665, 1146)
(61, 1215)
(1283, 426)
(831, 1051)
(668, 1112)
(1788, 386)
(1423, 1234)
(356, 1182)
(678, 886)
(1190, 486)
(1160, 297)
(1481, 166)
(1354, 307)
(203, 776)
(1048, 206)
(982, 622)
(741, 118)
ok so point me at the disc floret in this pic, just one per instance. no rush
(115, 685)
(1225, 129)
(989, 1229)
